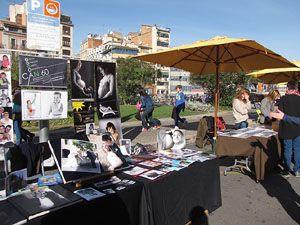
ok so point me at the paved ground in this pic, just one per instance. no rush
(274, 201)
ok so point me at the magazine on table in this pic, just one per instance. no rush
(110, 181)
(134, 160)
(182, 162)
(198, 157)
(152, 174)
(169, 154)
(135, 171)
(89, 193)
(149, 164)
(43, 200)
(167, 168)
(188, 152)
(162, 160)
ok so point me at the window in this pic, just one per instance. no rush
(163, 44)
(13, 29)
(23, 44)
(161, 34)
(66, 42)
(13, 43)
(66, 30)
(66, 52)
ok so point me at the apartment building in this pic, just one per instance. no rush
(13, 30)
(92, 42)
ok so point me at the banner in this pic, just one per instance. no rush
(82, 79)
(83, 112)
(42, 72)
(107, 101)
(44, 105)
(43, 23)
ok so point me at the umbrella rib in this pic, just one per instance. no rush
(234, 59)
(208, 56)
(184, 58)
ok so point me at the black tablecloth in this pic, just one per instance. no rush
(167, 201)
(172, 198)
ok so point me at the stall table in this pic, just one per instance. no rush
(266, 151)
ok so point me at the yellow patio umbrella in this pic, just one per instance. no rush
(220, 54)
(277, 75)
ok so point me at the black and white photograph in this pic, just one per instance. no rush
(117, 124)
(42, 72)
(125, 146)
(152, 174)
(5, 98)
(105, 81)
(80, 156)
(40, 201)
(171, 139)
(108, 109)
(44, 105)
(83, 113)
(82, 79)
(91, 128)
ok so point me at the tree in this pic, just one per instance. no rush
(133, 74)
(228, 84)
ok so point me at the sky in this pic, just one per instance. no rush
(272, 23)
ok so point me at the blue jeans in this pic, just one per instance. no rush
(148, 114)
(289, 145)
(241, 125)
(178, 109)
(17, 131)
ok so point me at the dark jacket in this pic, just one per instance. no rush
(290, 105)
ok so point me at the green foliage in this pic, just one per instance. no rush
(228, 84)
(84, 146)
(133, 74)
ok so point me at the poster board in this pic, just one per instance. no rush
(42, 72)
(44, 105)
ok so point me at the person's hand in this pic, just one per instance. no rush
(247, 97)
(278, 115)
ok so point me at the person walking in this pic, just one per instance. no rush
(240, 107)
(268, 106)
(147, 108)
(290, 133)
(179, 105)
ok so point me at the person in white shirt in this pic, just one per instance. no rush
(240, 106)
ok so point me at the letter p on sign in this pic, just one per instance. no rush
(35, 4)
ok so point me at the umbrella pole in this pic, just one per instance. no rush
(216, 101)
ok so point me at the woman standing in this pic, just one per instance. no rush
(241, 105)
(268, 106)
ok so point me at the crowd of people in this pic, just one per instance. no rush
(273, 107)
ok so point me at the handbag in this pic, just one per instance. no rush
(139, 105)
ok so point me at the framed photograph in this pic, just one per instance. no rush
(83, 112)
(125, 146)
(44, 105)
(82, 79)
(79, 156)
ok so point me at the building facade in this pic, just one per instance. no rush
(13, 30)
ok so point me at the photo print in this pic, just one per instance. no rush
(82, 79)
(105, 81)
(90, 128)
(5, 98)
(83, 113)
(5, 62)
(44, 105)
(115, 121)
(108, 109)
(6, 125)
(171, 139)
(80, 156)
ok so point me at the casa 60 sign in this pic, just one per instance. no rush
(43, 25)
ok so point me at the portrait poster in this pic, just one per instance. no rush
(42, 72)
(6, 125)
(79, 156)
(44, 105)
(105, 81)
(82, 79)
(5, 81)
(83, 113)
(115, 121)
